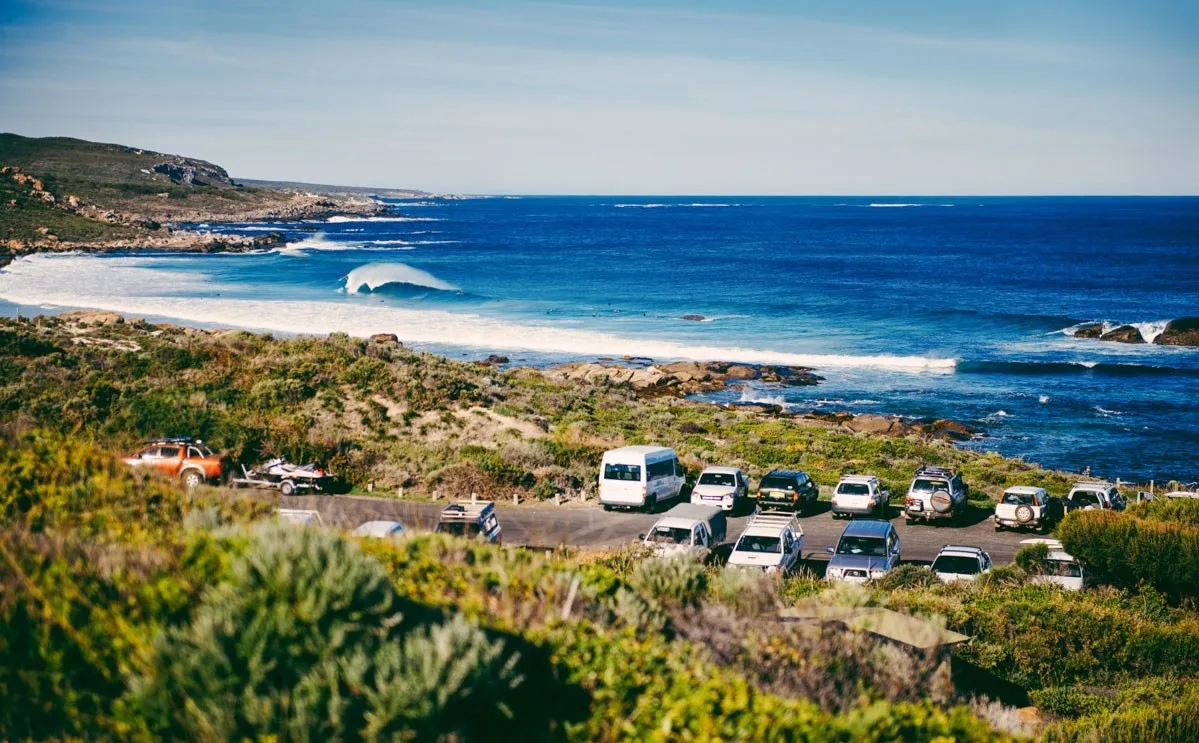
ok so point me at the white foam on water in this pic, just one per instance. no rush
(1043, 399)
(139, 285)
(374, 275)
(1151, 330)
(641, 206)
(749, 395)
(343, 219)
(1106, 413)
(892, 206)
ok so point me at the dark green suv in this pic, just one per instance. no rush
(786, 490)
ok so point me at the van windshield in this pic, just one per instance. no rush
(669, 535)
(629, 472)
(717, 478)
(853, 488)
(1062, 568)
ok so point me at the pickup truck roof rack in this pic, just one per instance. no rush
(174, 440)
(769, 518)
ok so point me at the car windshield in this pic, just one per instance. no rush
(1017, 499)
(629, 472)
(1063, 568)
(853, 488)
(872, 546)
(956, 564)
(924, 485)
(718, 478)
(669, 535)
(752, 543)
(459, 528)
(777, 483)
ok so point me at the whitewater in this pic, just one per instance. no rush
(120, 284)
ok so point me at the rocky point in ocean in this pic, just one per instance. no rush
(681, 378)
(1181, 332)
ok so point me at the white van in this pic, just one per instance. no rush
(639, 477)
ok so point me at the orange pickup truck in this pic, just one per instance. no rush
(185, 458)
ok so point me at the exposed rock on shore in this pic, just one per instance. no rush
(681, 378)
(890, 425)
(1181, 332)
(1123, 334)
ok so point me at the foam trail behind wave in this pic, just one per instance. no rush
(343, 219)
(125, 285)
(372, 276)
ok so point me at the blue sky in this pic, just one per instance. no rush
(866, 97)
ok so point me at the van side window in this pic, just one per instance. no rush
(659, 470)
(678, 469)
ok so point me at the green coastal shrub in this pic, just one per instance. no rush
(307, 641)
(1124, 550)
(1170, 510)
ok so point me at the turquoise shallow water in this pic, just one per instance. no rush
(947, 306)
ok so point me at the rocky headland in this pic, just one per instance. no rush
(680, 378)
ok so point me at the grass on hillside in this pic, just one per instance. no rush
(385, 415)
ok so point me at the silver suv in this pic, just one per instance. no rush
(935, 493)
(867, 549)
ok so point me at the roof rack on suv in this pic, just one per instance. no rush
(466, 510)
(926, 469)
(174, 440)
(962, 547)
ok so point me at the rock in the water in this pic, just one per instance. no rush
(1091, 330)
(874, 424)
(385, 338)
(496, 359)
(951, 430)
(694, 318)
(92, 317)
(1181, 332)
(1123, 334)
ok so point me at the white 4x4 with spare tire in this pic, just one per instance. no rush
(935, 493)
(1024, 507)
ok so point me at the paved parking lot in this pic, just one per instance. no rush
(591, 526)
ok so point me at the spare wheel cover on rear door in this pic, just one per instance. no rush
(1023, 514)
(942, 501)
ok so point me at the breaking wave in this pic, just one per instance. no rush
(143, 286)
(1149, 330)
(343, 219)
(375, 276)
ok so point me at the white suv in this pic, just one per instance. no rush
(772, 542)
(860, 495)
(956, 562)
(1023, 507)
(935, 493)
(1087, 495)
(726, 488)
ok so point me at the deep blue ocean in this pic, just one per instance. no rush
(949, 306)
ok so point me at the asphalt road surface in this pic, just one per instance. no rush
(590, 526)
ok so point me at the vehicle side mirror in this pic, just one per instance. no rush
(829, 550)
(641, 537)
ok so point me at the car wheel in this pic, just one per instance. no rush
(192, 479)
(287, 487)
(607, 507)
(651, 504)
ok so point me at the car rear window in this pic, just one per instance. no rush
(924, 484)
(778, 483)
(717, 478)
(459, 528)
(629, 472)
(853, 488)
(1017, 499)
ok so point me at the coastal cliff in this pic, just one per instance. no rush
(58, 193)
